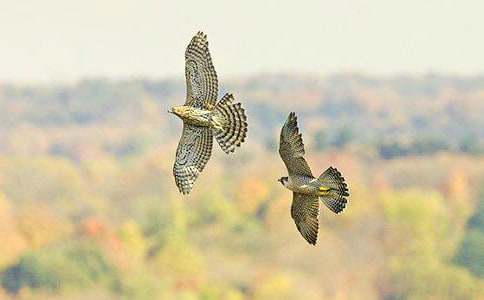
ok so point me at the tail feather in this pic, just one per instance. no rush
(232, 125)
(333, 190)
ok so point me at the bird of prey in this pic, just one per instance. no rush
(203, 117)
(330, 186)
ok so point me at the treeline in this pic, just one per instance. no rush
(470, 145)
(397, 116)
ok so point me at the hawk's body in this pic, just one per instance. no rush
(199, 117)
(303, 184)
(203, 117)
(307, 189)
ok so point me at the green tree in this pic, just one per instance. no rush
(416, 226)
(320, 140)
(72, 266)
(343, 137)
(471, 251)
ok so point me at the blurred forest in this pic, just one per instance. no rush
(89, 208)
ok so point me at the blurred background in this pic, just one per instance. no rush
(392, 94)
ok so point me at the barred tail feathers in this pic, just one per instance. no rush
(333, 190)
(231, 129)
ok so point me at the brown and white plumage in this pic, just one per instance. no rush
(305, 211)
(291, 148)
(200, 75)
(203, 118)
(329, 187)
(231, 113)
(193, 152)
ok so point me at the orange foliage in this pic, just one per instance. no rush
(92, 227)
(250, 193)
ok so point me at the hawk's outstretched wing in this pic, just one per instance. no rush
(291, 148)
(193, 152)
(202, 84)
(305, 211)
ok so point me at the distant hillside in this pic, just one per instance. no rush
(398, 115)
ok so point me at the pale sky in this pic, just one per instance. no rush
(66, 40)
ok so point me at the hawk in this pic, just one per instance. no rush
(203, 117)
(330, 186)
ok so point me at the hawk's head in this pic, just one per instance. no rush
(283, 180)
(177, 110)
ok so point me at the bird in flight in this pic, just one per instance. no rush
(330, 186)
(203, 117)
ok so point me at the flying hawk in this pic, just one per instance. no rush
(330, 186)
(203, 117)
